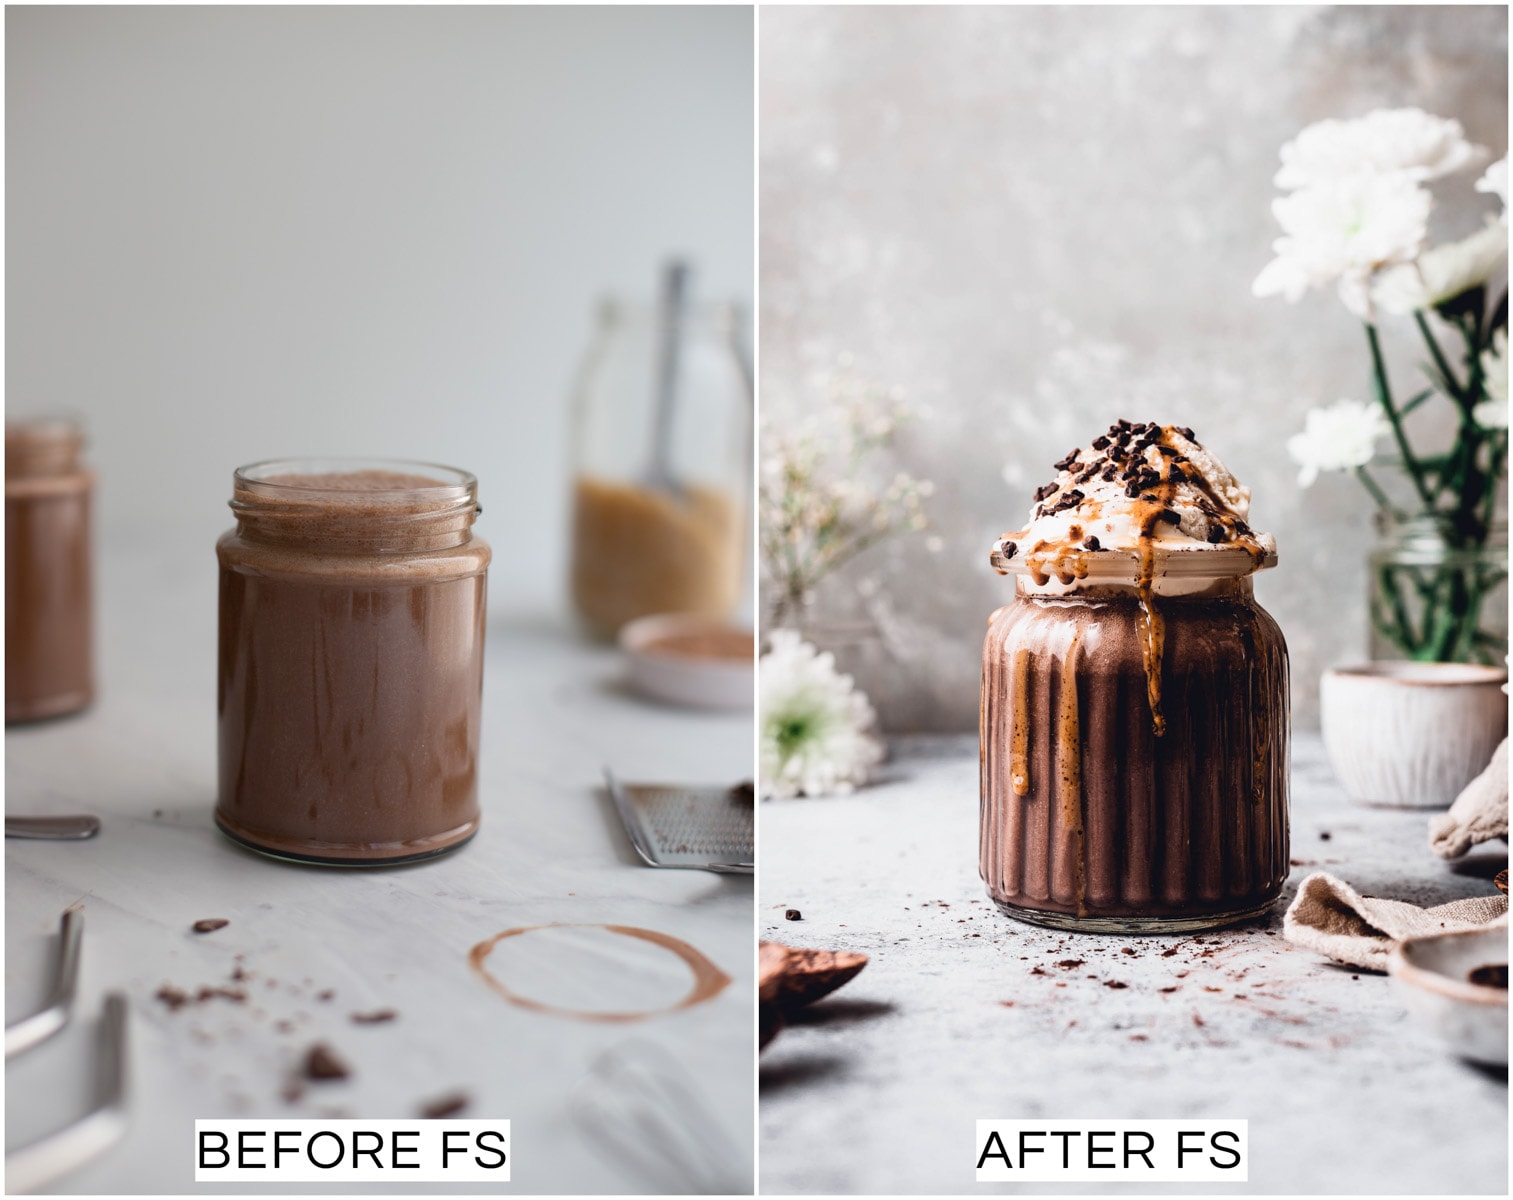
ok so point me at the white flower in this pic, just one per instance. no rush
(814, 723)
(1495, 181)
(1492, 413)
(1341, 233)
(1401, 141)
(1336, 439)
(1444, 272)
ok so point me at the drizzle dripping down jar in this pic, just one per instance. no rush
(1134, 708)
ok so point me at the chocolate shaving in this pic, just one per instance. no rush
(378, 1016)
(1065, 463)
(445, 1106)
(1048, 489)
(321, 1063)
(210, 924)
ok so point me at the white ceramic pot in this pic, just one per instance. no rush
(1411, 735)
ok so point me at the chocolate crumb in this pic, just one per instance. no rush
(1187, 433)
(793, 914)
(377, 1017)
(1199, 1021)
(1130, 950)
(321, 1063)
(1169, 990)
(328, 994)
(1045, 490)
(1071, 963)
(1114, 983)
(1066, 462)
(1325, 835)
(174, 997)
(1092, 544)
(445, 1106)
(1009, 549)
(1100, 442)
(210, 924)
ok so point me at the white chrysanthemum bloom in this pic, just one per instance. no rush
(1389, 141)
(1336, 438)
(814, 723)
(1342, 233)
(1443, 272)
(1495, 181)
(1492, 413)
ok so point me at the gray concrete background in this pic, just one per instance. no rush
(1035, 220)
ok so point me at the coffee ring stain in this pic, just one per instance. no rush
(708, 980)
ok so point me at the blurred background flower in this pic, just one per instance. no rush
(815, 738)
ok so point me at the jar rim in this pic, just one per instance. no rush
(263, 478)
(1189, 562)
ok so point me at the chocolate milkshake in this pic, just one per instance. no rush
(49, 594)
(1135, 698)
(351, 661)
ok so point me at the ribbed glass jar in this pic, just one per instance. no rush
(1135, 751)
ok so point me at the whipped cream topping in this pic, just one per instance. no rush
(1140, 488)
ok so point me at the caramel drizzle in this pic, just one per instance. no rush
(1019, 729)
(1069, 766)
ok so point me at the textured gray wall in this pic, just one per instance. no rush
(1036, 220)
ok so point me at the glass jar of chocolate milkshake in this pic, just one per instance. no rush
(351, 660)
(49, 592)
(1135, 699)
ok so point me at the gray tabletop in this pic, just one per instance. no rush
(550, 850)
(963, 1013)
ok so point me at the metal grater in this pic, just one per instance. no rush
(703, 828)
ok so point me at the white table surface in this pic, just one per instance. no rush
(550, 850)
(876, 1089)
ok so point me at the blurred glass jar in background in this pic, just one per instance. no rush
(662, 463)
(49, 590)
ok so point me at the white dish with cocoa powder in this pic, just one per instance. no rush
(698, 662)
(1434, 975)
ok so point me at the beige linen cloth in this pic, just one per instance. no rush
(1479, 814)
(1331, 917)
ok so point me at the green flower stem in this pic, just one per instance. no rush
(1377, 494)
(1452, 385)
(1384, 398)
